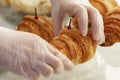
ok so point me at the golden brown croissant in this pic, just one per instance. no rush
(112, 27)
(104, 6)
(70, 42)
(77, 48)
(41, 27)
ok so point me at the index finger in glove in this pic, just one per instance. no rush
(58, 17)
(76, 9)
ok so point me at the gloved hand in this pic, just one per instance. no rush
(82, 9)
(28, 55)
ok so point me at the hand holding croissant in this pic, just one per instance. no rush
(71, 43)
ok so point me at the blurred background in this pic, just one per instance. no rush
(104, 66)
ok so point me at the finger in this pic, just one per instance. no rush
(28, 71)
(43, 68)
(82, 16)
(50, 59)
(57, 17)
(97, 25)
(68, 65)
(55, 62)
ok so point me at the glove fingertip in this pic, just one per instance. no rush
(56, 33)
(69, 66)
(84, 33)
(83, 30)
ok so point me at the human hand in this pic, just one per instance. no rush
(28, 55)
(84, 11)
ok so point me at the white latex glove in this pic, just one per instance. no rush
(28, 55)
(82, 9)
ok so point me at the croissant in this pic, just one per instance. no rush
(112, 27)
(104, 6)
(70, 42)
(41, 27)
(77, 48)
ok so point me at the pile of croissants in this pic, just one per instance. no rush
(70, 42)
